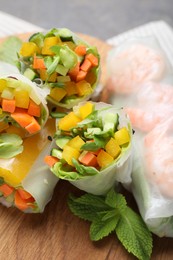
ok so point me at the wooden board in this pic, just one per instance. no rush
(57, 233)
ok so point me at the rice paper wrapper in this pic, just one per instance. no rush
(39, 182)
(152, 178)
(118, 171)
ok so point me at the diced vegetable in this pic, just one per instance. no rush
(76, 142)
(80, 50)
(46, 77)
(86, 109)
(68, 122)
(71, 88)
(104, 159)
(84, 88)
(122, 136)
(34, 109)
(21, 98)
(69, 153)
(48, 43)
(58, 93)
(33, 127)
(86, 65)
(3, 85)
(19, 202)
(8, 105)
(24, 194)
(88, 159)
(28, 49)
(73, 72)
(81, 76)
(23, 119)
(93, 59)
(38, 63)
(6, 189)
(112, 148)
(50, 160)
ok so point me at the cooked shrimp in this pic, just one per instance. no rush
(159, 157)
(133, 66)
(141, 119)
(152, 106)
(155, 93)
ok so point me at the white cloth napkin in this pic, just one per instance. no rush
(10, 25)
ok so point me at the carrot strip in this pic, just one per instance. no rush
(93, 59)
(50, 160)
(23, 119)
(80, 50)
(38, 63)
(34, 109)
(81, 75)
(89, 159)
(86, 65)
(74, 71)
(33, 127)
(8, 105)
(6, 189)
(24, 194)
(19, 202)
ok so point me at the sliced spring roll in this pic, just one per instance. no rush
(23, 108)
(62, 61)
(93, 147)
(25, 181)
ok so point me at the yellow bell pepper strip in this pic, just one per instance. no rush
(68, 122)
(112, 148)
(122, 136)
(28, 49)
(104, 159)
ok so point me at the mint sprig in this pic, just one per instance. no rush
(109, 214)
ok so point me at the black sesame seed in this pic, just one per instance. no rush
(49, 138)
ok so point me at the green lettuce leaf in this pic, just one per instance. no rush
(10, 145)
(9, 49)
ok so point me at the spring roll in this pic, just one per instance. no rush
(25, 181)
(152, 178)
(93, 147)
(64, 63)
(23, 108)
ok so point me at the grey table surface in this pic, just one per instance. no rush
(99, 18)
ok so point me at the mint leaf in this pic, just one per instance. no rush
(134, 235)
(87, 206)
(100, 228)
(116, 200)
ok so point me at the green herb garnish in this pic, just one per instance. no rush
(109, 214)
